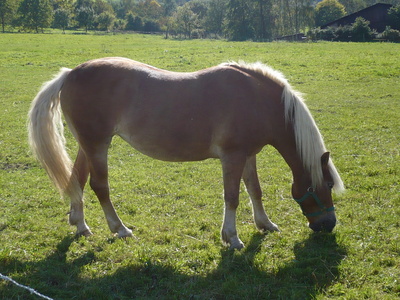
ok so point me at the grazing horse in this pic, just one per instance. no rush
(230, 112)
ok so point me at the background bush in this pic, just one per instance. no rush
(391, 35)
(359, 31)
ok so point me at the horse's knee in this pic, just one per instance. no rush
(231, 201)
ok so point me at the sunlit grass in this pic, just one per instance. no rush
(175, 210)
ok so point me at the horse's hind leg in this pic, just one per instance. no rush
(97, 157)
(252, 183)
(76, 215)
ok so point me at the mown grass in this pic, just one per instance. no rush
(175, 209)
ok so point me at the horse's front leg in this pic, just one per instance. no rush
(232, 167)
(252, 183)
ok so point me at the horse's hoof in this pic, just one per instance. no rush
(274, 227)
(125, 233)
(236, 243)
(269, 228)
(238, 246)
(85, 233)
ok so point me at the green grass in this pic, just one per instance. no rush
(175, 209)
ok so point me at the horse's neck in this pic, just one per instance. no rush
(287, 149)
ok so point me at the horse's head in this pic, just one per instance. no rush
(316, 202)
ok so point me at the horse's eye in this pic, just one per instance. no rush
(330, 185)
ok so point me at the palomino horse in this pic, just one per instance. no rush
(229, 112)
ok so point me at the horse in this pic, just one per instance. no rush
(227, 112)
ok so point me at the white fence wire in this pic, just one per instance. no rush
(31, 290)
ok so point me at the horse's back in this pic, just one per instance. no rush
(169, 115)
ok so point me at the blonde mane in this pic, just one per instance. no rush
(309, 142)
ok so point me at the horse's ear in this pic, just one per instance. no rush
(325, 159)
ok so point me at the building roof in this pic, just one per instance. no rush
(376, 14)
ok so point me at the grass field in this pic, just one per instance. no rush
(176, 209)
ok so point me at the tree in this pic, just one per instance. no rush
(83, 3)
(100, 6)
(392, 35)
(7, 10)
(65, 4)
(61, 18)
(185, 20)
(394, 17)
(304, 15)
(169, 7)
(352, 6)
(85, 17)
(328, 11)
(360, 30)
(263, 19)
(199, 8)
(149, 9)
(105, 20)
(127, 6)
(151, 26)
(239, 20)
(215, 17)
(35, 14)
(133, 22)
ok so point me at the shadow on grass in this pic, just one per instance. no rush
(236, 277)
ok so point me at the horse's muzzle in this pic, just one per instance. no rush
(325, 223)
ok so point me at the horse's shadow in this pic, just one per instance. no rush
(237, 276)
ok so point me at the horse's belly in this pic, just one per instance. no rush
(171, 149)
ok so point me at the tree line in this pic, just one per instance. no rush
(233, 19)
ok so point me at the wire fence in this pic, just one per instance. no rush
(31, 290)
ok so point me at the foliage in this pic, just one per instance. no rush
(239, 25)
(394, 17)
(352, 6)
(101, 6)
(185, 20)
(105, 20)
(85, 16)
(360, 30)
(61, 18)
(263, 20)
(343, 33)
(7, 10)
(169, 7)
(215, 17)
(151, 26)
(392, 35)
(133, 22)
(327, 11)
(149, 9)
(316, 34)
(35, 14)
(119, 24)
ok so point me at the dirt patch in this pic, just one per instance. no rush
(14, 166)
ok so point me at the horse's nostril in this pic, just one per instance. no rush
(326, 224)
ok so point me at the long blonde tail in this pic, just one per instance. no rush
(46, 136)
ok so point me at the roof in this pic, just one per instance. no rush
(376, 14)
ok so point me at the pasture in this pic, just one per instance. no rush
(175, 209)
